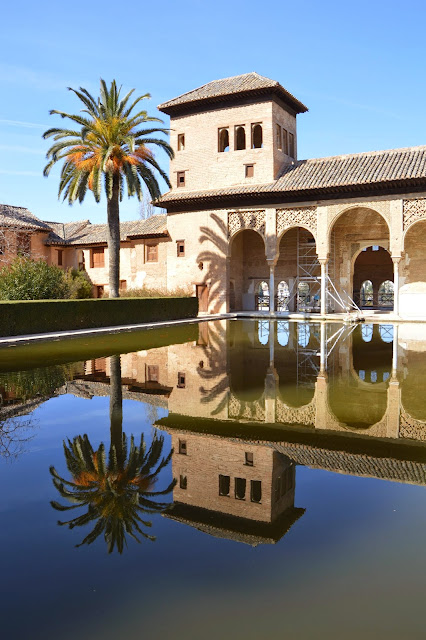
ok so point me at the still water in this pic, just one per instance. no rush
(232, 479)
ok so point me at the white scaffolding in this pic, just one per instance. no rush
(308, 285)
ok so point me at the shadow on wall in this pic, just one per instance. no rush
(214, 263)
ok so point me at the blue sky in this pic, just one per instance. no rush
(358, 66)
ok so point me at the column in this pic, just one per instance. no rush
(324, 265)
(395, 351)
(271, 287)
(396, 262)
(323, 344)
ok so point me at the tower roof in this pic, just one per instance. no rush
(245, 85)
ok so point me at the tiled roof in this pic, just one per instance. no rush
(327, 176)
(84, 233)
(219, 89)
(11, 216)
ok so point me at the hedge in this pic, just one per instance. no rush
(42, 316)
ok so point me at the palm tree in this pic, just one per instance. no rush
(111, 147)
(114, 492)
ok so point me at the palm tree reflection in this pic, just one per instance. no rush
(117, 491)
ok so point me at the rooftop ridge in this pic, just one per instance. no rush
(360, 153)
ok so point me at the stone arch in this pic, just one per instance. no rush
(341, 210)
(379, 271)
(412, 294)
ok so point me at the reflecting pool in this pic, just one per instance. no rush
(230, 479)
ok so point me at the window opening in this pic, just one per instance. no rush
(386, 294)
(183, 482)
(278, 137)
(240, 138)
(263, 331)
(283, 333)
(123, 285)
(367, 332)
(181, 380)
(249, 170)
(152, 252)
(180, 247)
(285, 141)
(283, 296)
(60, 257)
(386, 332)
(262, 302)
(291, 145)
(180, 178)
(97, 257)
(223, 140)
(256, 136)
(152, 373)
(256, 491)
(366, 294)
(224, 485)
(182, 447)
(249, 458)
(240, 488)
(181, 142)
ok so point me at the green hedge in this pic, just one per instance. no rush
(42, 316)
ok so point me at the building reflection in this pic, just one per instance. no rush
(248, 402)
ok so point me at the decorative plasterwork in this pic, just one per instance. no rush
(298, 217)
(411, 428)
(414, 210)
(254, 411)
(296, 415)
(238, 220)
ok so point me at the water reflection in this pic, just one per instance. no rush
(113, 491)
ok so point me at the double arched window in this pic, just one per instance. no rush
(366, 294)
(385, 297)
(263, 296)
(283, 296)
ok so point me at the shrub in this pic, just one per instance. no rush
(158, 292)
(79, 284)
(27, 279)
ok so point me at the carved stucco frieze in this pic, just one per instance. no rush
(296, 415)
(239, 220)
(411, 428)
(297, 217)
(414, 210)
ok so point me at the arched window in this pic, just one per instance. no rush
(283, 296)
(240, 138)
(283, 333)
(263, 296)
(303, 334)
(303, 295)
(366, 294)
(367, 332)
(386, 332)
(223, 140)
(256, 136)
(263, 331)
(386, 294)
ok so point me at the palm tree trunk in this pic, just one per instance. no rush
(116, 407)
(114, 238)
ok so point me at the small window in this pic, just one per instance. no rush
(181, 142)
(183, 482)
(151, 253)
(291, 145)
(100, 290)
(182, 447)
(123, 285)
(240, 138)
(249, 170)
(180, 247)
(224, 485)
(223, 144)
(256, 491)
(285, 142)
(278, 138)
(248, 459)
(180, 178)
(240, 488)
(256, 136)
(60, 257)
(97, 257)
(152, 373)
(181, 380)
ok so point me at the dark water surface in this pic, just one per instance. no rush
(293, 504)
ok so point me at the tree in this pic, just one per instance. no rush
(117, 491)
(111, 147)
(27, 279)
